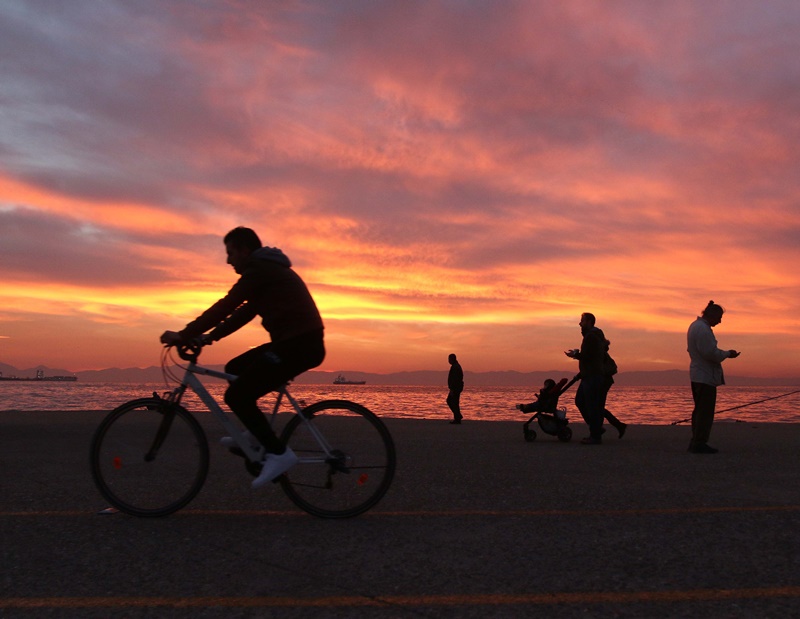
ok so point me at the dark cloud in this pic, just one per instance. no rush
(639, 149)
(148, 103)
(109, 102)
(41, 248)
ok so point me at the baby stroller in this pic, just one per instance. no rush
(552, 419)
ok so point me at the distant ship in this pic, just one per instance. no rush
(41, 377)
(341, 380)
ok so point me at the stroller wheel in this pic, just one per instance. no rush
(530, 435)
(565, 435)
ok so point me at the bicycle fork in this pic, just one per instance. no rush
(167, 409)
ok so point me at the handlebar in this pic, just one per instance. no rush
(189, 351)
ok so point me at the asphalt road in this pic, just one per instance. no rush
(478, 523)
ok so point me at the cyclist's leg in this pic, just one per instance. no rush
(258, 373)
(264, 369)
(300, 353)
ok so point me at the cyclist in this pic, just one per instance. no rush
(267, 287)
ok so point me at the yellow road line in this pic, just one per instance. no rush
(588, 597)
(449, 513)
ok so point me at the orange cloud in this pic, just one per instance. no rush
(464, 180)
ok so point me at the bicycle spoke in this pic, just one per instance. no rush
(149, 460)
(352, 477)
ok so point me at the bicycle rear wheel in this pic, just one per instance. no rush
(149, 457)
(359, 469)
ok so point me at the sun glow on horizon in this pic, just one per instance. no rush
(437, 195)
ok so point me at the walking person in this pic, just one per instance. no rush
(609, 369)
(455, 385)
(705, 374)
(591, 395)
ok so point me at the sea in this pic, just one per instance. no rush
(639, 405)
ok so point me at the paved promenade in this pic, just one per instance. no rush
(477, 524)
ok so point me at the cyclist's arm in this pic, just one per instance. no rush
(221, 310)
(239, 318)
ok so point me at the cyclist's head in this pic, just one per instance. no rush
(243, 238)
(240, 243)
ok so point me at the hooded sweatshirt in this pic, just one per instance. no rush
(267, 287)
(593, 351)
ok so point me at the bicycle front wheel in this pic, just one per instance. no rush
(347, 459)
(149, 457)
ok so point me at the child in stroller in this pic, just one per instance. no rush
(552, 420)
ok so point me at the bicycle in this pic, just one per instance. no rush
(150, 456)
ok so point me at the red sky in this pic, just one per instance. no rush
(446, 176)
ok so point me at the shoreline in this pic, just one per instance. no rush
(438, 418)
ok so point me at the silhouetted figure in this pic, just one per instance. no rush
(596, 371)
(609, 369)
(546, 400)
(705, 373)
(552, 420)
(269, 288)
(455, 384)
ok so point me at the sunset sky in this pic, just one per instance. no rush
(459, 177)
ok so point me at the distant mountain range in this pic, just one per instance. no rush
(508, 378)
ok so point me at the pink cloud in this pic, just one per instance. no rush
(422, 163)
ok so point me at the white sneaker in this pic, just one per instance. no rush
(275, 465)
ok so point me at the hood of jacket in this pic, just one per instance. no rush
(271, 254)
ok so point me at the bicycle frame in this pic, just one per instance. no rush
(254, 454)
(339, 475)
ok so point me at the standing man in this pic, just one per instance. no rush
(455, 383)
(591, 395)
(269, 288)
(705, 372)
